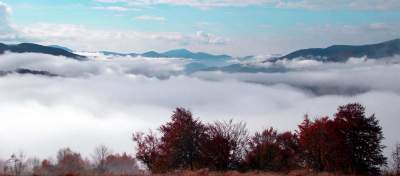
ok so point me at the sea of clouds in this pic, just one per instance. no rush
(105, 99)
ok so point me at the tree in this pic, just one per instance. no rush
(226, 145)
(46, 168)
(289, 145)
(148, 151)
(316, 143)
(351, 142)
(396, 159)
(16, 165)
(362, 137)
(124, 164)
(182, 139)
(272, 151)
(100, 155)
(69, 162)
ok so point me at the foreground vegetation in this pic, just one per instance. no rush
(350, 143)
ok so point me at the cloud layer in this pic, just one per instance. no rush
(103, 100)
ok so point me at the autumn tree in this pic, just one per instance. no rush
(69, 162)
(272, 151)
(46, 168)
(289, 148)
(182, 139)
(148, 150)
(121, 164)
(316, 143)
(226, 145)
(362, 139)
(351, 142)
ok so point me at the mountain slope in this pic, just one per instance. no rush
(62, 47)
(183, 53)
(341, 53)
(34, 48)
(200, 60)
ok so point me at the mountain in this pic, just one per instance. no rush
(200, 60)
(24, 71)
(34, 48)
(153, 54)
(247, 68)
(341, 53)
(62, 47)
(109, 53)
(183, 53)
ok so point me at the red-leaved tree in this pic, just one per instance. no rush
(182, 139)
(148, 150)
(351, 142)
(226, 145)
(272, 151)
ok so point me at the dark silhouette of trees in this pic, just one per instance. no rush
(362, 137)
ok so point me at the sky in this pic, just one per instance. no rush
(239, 28)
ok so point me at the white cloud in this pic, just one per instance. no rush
(113, 8)
(150, 18)
(210, 38)
(102, 101)
(296, 4)
(7, 32)
(83, 38)
(100, 64)
(193, 3)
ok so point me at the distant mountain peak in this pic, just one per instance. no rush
(35, 48)
(393, 41)
(180, 50)
(61, 47)
(341, 53)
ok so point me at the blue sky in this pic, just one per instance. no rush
(218, 26)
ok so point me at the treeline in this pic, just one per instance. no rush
(350, 142)
(347, 143)
(70, 163)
